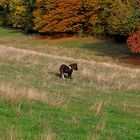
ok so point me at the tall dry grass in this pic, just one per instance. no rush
(9, 134)
(48, 136)
(102, 75)
(15, 94)
(115, 77)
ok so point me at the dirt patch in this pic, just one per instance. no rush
(133, 60)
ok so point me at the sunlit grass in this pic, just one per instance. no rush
(77, 47)
(101, 102)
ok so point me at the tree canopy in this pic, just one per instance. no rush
(99, 17)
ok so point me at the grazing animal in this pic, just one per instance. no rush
(67, 69)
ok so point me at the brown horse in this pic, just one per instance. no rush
(67, 69)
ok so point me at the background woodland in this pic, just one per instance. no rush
(117, 19)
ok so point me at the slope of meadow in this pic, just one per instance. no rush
(101, 102)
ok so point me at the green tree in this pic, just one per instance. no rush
(4, 12)
(21, 14)
(17, 13)
(100, 24)
(90, 9)
(30, 5)
(123, 17)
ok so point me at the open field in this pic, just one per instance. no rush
(87, 48)
(101, 102)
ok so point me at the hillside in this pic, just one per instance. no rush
(101, 102)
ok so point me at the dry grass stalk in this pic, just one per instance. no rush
(107, 79)
(10, 134)
(17, 94)
(99, 107)
(96, 108)
(103, 76)
(91, 62)
(48, 136)
(101, 125)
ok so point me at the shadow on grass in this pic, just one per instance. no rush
(57, 75)
(114, 50)
(109, 48)
(8, 31)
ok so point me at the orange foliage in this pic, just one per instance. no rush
(133, 41)
(64, 15)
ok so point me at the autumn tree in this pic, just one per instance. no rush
(70, 16)
(133, 41)
(57, 16)
(90, 9)
(103, 17)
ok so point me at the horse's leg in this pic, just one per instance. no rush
(61, 73)
(63, 76)
(69, 75)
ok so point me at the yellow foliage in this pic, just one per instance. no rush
(20, 9)
(4, 2)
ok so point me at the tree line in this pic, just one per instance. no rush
(115, 18)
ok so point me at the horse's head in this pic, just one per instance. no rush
(74, 66)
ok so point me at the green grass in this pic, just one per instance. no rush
(101, 102)
(99, 50)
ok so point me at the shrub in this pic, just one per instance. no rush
(133, 41)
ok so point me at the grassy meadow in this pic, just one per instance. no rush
(100, 102)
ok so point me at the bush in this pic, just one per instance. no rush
(133, 41)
